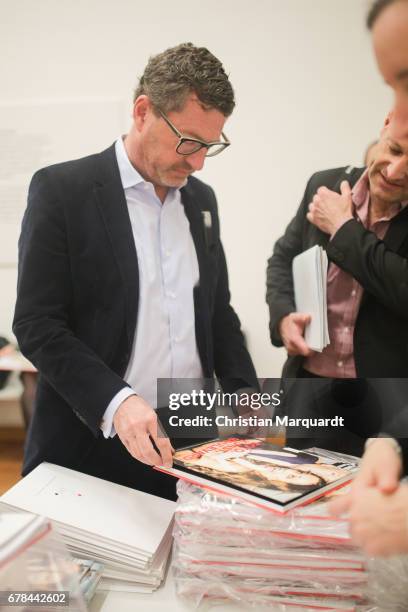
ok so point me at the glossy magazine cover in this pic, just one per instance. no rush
(284, 476)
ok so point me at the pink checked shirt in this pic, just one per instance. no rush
(344, 295)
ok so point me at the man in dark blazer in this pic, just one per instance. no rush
(360, 216)
(122, 271)
(328, 217)
(378, 503)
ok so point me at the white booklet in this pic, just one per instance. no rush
(310, 285)
(103, 510)
(126, 530)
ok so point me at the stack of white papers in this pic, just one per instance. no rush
(126, 530)
(310, 286)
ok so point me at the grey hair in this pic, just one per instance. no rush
(171, 76)
(376, 9)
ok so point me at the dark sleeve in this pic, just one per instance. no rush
(404, 453)
(44, 310)
(279, 280)
(380, 271)
(233, 364)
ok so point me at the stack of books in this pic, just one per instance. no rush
(127, 531)
(310, 286)
(288, 562)
(252, 527)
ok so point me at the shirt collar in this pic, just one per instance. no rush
(128, 173)
(361, 190)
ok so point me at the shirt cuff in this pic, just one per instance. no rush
(107, 426)
(392, 441)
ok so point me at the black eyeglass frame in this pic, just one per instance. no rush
(200, 143)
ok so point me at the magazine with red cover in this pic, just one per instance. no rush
(273, 477)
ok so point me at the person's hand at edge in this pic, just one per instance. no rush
(378, 521)
(292, 330)
(380, 467)
(136, 424)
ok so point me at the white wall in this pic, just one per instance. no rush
(309, 97)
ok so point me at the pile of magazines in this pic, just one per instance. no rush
(227, 549)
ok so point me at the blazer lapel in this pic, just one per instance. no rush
(196, 220)
(194, 215)
(112, 204)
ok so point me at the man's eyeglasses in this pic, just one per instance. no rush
(187, 145)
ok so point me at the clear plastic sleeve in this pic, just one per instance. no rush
(229, 550)
(202, 511)
(33, 558)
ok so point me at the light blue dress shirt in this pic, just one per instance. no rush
(165, 342)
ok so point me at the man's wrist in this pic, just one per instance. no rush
(107, 425)
(281, 322)
(340, 224)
